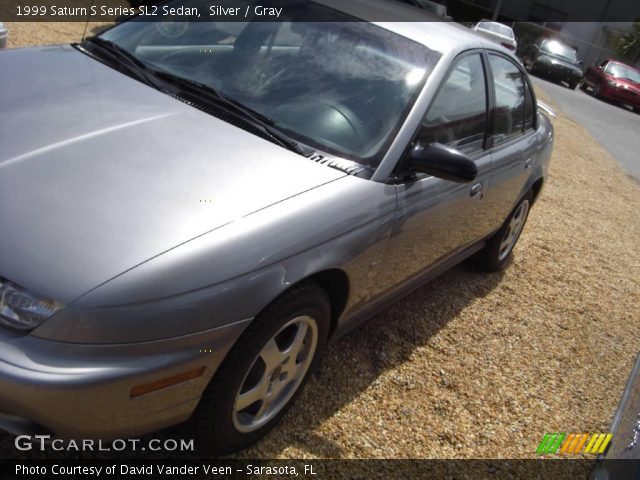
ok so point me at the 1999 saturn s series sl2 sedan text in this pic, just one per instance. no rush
(190, 211)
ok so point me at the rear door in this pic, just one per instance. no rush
(513, 141)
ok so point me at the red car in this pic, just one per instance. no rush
(614, 81)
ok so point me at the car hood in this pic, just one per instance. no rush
(99, 172)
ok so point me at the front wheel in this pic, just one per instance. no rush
(499, 247)
(264, 371)
(528, 64)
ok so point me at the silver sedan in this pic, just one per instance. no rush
(191, 211)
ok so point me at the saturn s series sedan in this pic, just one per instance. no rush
(190, 211)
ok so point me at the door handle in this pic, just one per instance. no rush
(528, 163)
(476, 189)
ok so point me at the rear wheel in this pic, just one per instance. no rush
(264, 371)
(596, 90)
(572, 84)
(499, 247)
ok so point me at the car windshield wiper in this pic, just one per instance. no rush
(210, 94)
(124, 57)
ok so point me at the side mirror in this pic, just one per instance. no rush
(443, 162)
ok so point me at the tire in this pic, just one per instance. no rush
(528, 64)
(596, 90)
(582, 85)
(572, 85)
(221, 426)
(495, 254)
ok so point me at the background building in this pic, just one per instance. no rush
(583, 24)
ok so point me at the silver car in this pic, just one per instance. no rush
(191, 211)
(497, 32)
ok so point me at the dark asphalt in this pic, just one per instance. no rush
(615, 127)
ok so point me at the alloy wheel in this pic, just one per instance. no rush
(275, 374)
(514, 230)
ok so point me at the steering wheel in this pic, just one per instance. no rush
(328, 120)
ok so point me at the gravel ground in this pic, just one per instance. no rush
(24, 34)
(475, 365)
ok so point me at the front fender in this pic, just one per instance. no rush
(231, 274)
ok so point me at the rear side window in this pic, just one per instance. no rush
(457, 117)
(509, 88)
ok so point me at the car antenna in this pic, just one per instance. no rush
(86, 24)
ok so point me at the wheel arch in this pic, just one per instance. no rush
(336, 283)
(536, 188)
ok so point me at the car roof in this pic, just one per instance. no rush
(415, 24)
(495, 23)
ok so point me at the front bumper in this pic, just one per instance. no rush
(84, 391)
(556, 73)
(621, 95)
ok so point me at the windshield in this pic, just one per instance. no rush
(341, 87)
(561, 50)
(496, 28)
(623, 72)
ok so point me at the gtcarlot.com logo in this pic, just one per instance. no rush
(47, 443)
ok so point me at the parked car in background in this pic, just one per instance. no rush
(497, 32)
(554, 60)
(4, 35)
(186, 242)
(615, 81)
(434, 8)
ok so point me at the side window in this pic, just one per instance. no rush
(458, 115)
(509, 88)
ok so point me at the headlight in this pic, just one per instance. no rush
(23, 310)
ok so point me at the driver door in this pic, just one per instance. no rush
(437, 217)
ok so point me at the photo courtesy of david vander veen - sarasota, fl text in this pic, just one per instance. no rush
(105, 12)
(159, 470)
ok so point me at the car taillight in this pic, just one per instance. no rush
(508, 45)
